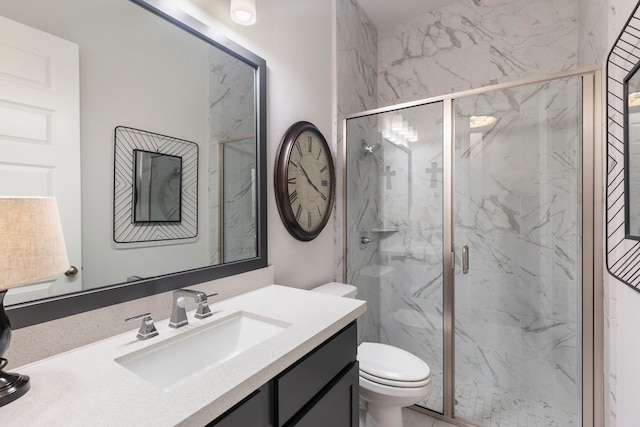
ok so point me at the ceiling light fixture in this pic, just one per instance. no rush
(243, 12)
(480, 121)
(396, 122)
(413, 137)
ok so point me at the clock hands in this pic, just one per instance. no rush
(311, 183)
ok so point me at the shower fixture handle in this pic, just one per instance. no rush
(364, 240)
(465, 259)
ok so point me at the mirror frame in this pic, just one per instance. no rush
(623, 251)
(34, 312)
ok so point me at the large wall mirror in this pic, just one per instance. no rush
(80, 69)
(623, 155)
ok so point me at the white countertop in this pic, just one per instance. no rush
(87, 387)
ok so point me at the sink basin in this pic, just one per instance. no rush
(173, 362)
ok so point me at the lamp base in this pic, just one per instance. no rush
(12, 386)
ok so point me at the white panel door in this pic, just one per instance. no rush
(40, 135)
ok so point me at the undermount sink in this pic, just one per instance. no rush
(173, 362)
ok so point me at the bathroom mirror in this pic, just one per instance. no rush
(133, 82)
(157, 187)
(623, 155)
(632, 158)
(156, 201)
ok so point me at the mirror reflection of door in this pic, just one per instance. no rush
(39, 90)
(158, 187)
(182, 86)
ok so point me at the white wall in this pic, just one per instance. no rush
(294, 37)
(621, 303)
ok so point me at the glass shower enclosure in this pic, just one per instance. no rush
(469, 231)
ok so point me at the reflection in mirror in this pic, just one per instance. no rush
(238, 171)
(632, 159)
(173, 76)
(129, 233)
(157, 187)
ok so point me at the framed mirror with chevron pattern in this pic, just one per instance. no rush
(623, 155)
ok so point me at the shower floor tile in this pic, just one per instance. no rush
(491, 407)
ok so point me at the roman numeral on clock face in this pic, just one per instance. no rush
(299, 213)
(293, 196)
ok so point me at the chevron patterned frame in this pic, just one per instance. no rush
(126, 232)
(623, 252)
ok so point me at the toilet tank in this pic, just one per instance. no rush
(337, 289)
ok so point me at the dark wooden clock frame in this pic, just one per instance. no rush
(281, 186)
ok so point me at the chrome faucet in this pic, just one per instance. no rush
(179, 314)
(147, 328)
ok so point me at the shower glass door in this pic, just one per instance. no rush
(394, 231)
(517, 207)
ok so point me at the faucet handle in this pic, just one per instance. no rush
(147, 328)
(203, 310)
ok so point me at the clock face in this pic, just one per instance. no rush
(304, 181)
(309, 180)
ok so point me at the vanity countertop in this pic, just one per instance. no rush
(86, 386)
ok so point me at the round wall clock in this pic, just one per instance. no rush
(304, 181)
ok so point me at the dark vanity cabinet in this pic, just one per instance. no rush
(254, 410)
(319, 390)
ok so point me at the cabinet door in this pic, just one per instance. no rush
(254, 411)
(337, 406)
(297, 386)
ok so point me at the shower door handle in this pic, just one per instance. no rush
(465, 259)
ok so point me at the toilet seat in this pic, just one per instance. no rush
(391, 366)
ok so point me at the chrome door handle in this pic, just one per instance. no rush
(465, 259)
(72, 271)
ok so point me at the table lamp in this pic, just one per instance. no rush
(31, 249)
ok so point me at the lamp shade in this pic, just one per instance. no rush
(31, 241)
(243, 12)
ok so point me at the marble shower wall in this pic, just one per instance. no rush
(357, 56)
(521, 216)
(517, 206)
(517, 196)
(231, 122)
(411, 242)
(473, 44)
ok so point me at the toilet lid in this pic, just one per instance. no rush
(390, 365)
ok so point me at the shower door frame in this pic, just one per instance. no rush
(592, 236)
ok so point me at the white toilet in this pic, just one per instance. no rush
(390, 378)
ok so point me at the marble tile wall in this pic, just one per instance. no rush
(517, 209)
(592, 32)
(411, 246)
(231, 122)
(473, 44)
(516, 197)
(517, 309)
(357, 56)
